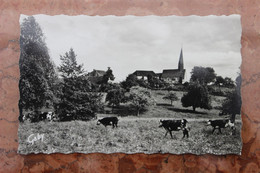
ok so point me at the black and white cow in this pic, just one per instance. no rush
(46, 116)
(107, 121)
(175, 125)
(219, 124)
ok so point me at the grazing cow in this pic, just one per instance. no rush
(46, 116)
(50, 116)
(43, 116)
(108, 121)
(218, 124)
(175, 125)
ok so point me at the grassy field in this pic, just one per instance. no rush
(135, 134)
(141, 135)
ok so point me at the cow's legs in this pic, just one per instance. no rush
(171, 134)
(213, 130)
(219, 129)
(166, 133)
(185, 133)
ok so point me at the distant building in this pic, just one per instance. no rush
(169, 75)
(174, 75)
(96, 76)
(142, 74)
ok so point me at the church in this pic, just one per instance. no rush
(168, 75)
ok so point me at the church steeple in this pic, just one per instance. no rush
(181, 65)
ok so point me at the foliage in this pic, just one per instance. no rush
(131, 80)
(76, 100)
(140, 98)
(171, 96)
(203, 75)
(219, 81)
(115, 96)
(232, 103)
(228, 82)
(197, 96)
(108, 76)
(37, 72)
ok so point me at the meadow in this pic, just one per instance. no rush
(134, 134)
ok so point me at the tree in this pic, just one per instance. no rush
(203, 75)
(197, 96)
(219, 81)
(232, 103)
(108, 76)
(76, 100)
(37, 71)
(115, 96)
(171, 96)
(140, 98)
(105, 86)
(228, 82)
(131, 80)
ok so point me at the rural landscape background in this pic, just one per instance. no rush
(77, 99)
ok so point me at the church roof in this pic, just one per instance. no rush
(96, 73)
(173, 73)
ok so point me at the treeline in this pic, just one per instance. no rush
(67, 90)
(64, 89)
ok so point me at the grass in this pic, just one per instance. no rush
(135, 134)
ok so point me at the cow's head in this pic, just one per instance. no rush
(98, 122)
(161, 123)
(209, 122)
(230, 124)
(183, 122)
(49, 116)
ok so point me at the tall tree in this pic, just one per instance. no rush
(115, 96)
(37, 71)
(232, 103)
(108, 76)
(76, 100)
(203, 75)
(197, 96)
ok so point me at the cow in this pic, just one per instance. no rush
(175, 125)
(108, 121)
(46, 116)
(50, 116)
(219, 124)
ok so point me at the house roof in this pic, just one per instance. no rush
(96, 73)
(173, 73)
(144, 73)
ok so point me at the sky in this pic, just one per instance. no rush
(130, 43)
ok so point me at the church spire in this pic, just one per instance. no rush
(181, 65)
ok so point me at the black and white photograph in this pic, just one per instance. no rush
(130, 84)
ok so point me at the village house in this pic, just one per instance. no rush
(96, 76)
(168, 75)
